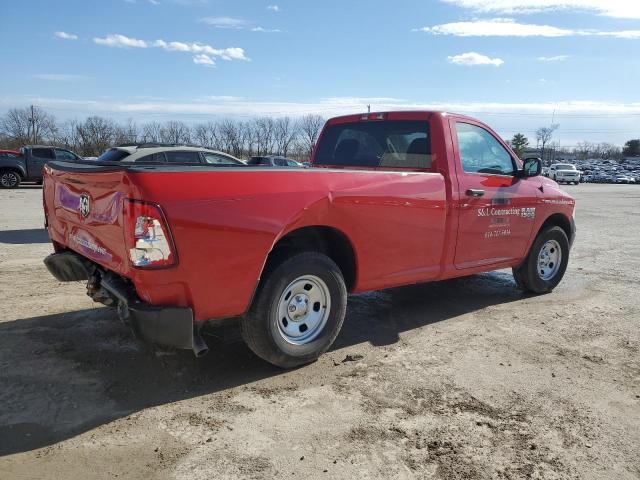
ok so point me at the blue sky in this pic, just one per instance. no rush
(510, 62)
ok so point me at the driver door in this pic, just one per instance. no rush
(496, 208)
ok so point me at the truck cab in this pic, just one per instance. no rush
(26, 164)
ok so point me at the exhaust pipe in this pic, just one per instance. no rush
(200, 348)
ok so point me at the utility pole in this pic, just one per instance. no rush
(32, 122)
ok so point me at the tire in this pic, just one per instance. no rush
(283, 329)
(542, 273)
(10, 179)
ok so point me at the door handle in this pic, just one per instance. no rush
(473, 192)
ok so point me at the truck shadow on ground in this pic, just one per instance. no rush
(68, 373)
(24, 237)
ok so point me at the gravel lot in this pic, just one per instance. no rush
(464, 379)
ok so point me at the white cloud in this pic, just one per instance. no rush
(611, 8)
(496, 27)
(223, 98)
(273, 8)
(555, 58)
(236, 24)
(473, 58)
(630, 34)
(65, 36)
(60, 77)
(328, 106)
(265, 30)
(120, 41)
(203, 59)
(507, 27)
(224, 22)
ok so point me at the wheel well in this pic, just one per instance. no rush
(559, 220)
(328, 240)
(12, 169)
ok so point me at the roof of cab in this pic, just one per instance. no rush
(136, 152)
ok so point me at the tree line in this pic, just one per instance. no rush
(582, 150)
(285, 136)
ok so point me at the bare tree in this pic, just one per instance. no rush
(263, 129)
(544, 134)
(28, 125)
(285, 132)
(67, 136)
(174, 131)
(127, 133)
(151, 132)
(96, 135)
(231, 137)
(310, 126)
(206, 134)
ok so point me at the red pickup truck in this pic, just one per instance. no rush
(390, 199)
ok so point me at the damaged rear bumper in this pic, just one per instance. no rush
(167, 326)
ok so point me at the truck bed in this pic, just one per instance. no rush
(225, 221)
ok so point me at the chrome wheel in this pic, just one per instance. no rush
(549, 260)
(303, 309)
(9, 179)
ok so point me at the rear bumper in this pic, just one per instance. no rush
(168, 326)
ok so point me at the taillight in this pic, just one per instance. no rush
(147, 235)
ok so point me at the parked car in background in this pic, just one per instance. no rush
(564, 173)
(274, 161)
(621, 178)
(26, 165)
(162, 153)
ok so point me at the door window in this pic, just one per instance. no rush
(480, 152)
(64, 155)
(182, 157)
(217, 159)
(42, 153)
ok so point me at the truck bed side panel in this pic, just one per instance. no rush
(225, 223)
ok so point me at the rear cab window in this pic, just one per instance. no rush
(113, 155)
(42, 153)
(376, 144)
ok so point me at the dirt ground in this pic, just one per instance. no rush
(464, 379)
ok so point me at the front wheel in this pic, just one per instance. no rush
(9, 179)
(297, 311)
(546, 262)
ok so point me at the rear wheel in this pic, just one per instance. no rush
(9, 179)
(297, 311)
(546, 262)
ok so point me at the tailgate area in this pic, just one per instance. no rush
(84, 212)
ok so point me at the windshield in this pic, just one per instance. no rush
(387, 143)
(565, 166)
(113, 155)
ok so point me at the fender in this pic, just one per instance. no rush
(312, 215)
(14, 165)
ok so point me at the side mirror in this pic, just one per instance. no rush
(532, 167)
